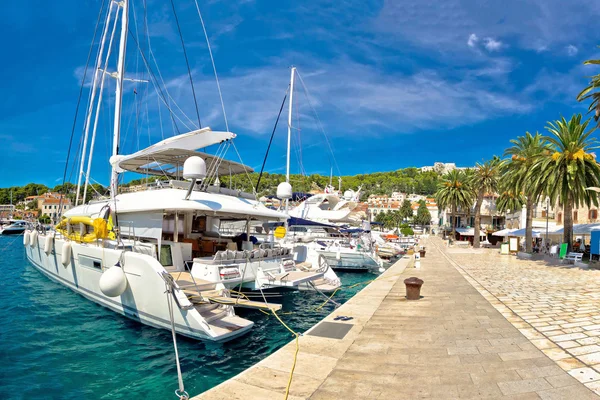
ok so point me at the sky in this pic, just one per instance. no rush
(384, 84)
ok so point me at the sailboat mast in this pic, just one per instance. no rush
(114, 178)
(290, 109)
(289, 143)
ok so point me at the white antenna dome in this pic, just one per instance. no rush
(284, 191)
(348, 195)
(194, 168)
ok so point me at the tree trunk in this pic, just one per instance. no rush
(453, 223)
(529, 225)
(477, 219)
(568, 228)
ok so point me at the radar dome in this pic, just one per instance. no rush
(284, 191)
(194, 168)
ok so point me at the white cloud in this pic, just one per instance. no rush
(572, 50)
(528, 23)
(365, 101)
(492, 44)
(472, 40)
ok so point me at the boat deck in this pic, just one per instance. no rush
(245, 303)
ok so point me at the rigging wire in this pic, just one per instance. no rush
(187, 63)
(245, 169)
(156, 85)
(77, 107)
(262, 168)
(212, 60)
(307, 94)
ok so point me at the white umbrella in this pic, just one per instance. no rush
(503, 232)
(580, 229)
(521, 232)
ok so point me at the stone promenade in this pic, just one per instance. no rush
(556, 306)
(454, 343)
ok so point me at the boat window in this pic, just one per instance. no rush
(166, 258)
(298, 229)
(199, 224)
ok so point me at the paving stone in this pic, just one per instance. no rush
(590, 359)
(524, 386)
(584, 349)
(540, 372)
(578, 392)
(558, 381)
(569, 336)
(520, 355)
(585, 374)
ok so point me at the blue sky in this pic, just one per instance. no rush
(395, 83)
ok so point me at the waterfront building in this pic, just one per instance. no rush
(441, 168)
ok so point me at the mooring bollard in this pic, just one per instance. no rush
(413, 288)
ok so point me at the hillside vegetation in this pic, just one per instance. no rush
(402, 180)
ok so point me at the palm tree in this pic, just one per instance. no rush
(455, 192)
(524, 153)
(484, 179)
(509, 200)
(588, 92)
(569, 168)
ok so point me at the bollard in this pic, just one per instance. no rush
(422, 252)
(413, 288)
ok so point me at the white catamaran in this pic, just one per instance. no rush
(135, 252)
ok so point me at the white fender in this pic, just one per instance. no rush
(49, 243)
(113, 281)
(65, 257)
(33, 239)
(26, 238)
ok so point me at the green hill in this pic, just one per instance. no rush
(403, 180)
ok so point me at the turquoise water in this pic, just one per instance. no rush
(54, 344)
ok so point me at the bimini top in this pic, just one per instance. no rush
(166, 200)
(166, 157)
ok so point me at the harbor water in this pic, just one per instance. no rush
(55, 344)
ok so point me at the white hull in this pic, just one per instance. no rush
(358, 261)
(144, 300)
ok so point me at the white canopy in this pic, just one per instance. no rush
(166, 157)
(503, 232)
(469, 232)
(521, 232)
(579, 229)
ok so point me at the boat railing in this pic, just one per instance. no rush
(171, 284)
(188, 265)
(242, 256)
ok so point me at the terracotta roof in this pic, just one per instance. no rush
(56, 201)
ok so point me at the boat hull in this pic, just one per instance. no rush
(350, 261)
(12, 231)
(144, 300)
